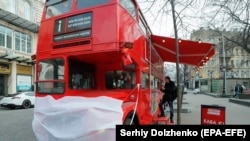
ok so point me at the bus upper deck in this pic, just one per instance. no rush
(100, 36)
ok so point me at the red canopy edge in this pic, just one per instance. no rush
(190, 52)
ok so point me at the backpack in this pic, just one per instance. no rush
(175, 92)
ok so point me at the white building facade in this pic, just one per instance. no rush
(19, 26)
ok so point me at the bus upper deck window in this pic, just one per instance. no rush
(85, 4)
(57, 7)
(130, 6)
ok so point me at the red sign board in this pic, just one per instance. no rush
(212, 115)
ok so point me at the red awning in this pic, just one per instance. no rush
(190, 52)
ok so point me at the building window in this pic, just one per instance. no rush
(29, 44)
(237, 63)
(236, 73)
(5, 37)
(2, 36)
(242, 63)
(247, 73)
(11, 6)
(17, 41)
(23, 42)
(247, 63)
(9, 38)
(232, 63)
(237, 51)
(230, 52)
(26, 11)
(242, 74)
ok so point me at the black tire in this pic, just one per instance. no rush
(26, 104)
(128, 121)
(12, 107)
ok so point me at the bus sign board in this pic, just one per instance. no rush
(73, 35)
(76, 27)
(79, 22)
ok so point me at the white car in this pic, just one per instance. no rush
(185, 90)
(21, 99)
(196, 90)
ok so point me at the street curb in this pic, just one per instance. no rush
(217, 95)
(241, 102)
(183, 110)
(234, 100)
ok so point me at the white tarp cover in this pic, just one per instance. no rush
(76, 118)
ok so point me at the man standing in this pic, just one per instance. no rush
(169, 90)
(238, 90)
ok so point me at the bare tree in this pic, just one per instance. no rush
(156, 11)
(233, 16)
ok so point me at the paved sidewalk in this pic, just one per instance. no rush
(245, 102)
(191, 109)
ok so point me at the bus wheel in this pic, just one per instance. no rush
(128, 121)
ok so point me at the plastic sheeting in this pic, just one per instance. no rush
(76, 118)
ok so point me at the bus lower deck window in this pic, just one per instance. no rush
(81, 75)
(120, 79)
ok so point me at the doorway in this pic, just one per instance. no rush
(2, 86)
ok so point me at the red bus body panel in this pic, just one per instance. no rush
(111, 26)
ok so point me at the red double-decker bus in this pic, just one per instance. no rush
(96, 67)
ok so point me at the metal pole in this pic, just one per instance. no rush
(211, 75)
(224, 67)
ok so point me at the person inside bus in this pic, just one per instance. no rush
(168, 97)
(127, 79)
(115, 79)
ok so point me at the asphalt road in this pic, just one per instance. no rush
(15, 125)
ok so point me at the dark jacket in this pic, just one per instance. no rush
(238, 89)
(169, 91)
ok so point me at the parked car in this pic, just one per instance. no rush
(196, 90)
(21, 99)
(185, 90)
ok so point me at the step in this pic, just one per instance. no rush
(162, 121)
